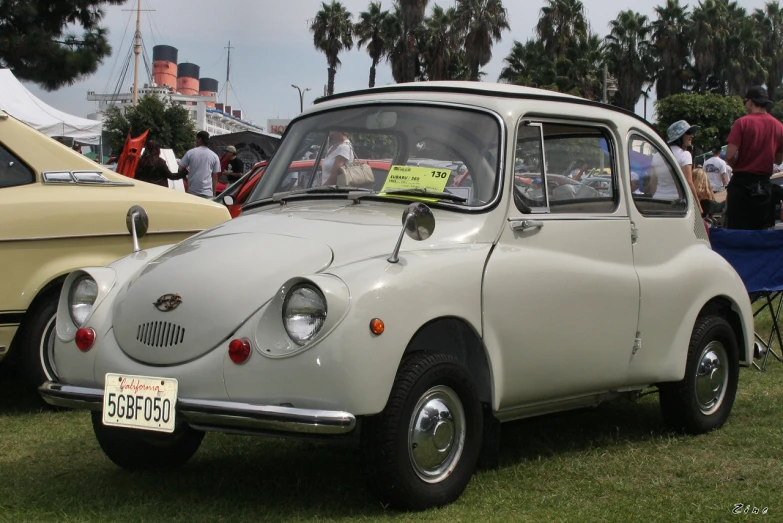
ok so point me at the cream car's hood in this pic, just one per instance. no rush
(228, 272)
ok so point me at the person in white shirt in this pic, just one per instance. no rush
(201, 166)
(339, 153)
(715, 168)
(679, 136)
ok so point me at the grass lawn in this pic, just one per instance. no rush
(615, 463)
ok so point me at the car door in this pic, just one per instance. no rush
(666, 249)
(560, 293)
(15, 178)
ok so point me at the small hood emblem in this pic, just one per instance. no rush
(168, 302)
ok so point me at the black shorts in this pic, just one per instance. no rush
(750, 203)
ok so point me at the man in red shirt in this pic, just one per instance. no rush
(755, 144)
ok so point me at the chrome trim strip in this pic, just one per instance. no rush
(100, 235)
(72, 178)
(219, 414)
(572, 218)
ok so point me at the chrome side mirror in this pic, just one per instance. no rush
(418, 223)
(228, 200)
(138, 224)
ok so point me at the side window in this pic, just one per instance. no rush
(579, 169)
(12, 171)
(529, 193)
(655, 184)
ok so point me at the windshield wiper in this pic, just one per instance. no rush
(281, 196)
(430, 193)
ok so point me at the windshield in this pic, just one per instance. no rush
(389, 147)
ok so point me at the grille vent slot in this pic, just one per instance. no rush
(160, 334)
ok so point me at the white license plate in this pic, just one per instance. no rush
(139, 402)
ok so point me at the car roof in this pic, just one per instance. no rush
(482, 89)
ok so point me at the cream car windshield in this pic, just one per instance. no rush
(446, 155)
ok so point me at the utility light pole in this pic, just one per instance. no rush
(301, 96)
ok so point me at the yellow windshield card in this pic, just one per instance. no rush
(409, 177)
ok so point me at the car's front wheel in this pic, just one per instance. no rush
(702, 401)
(37, 356)
(422, 450)
(141, 449)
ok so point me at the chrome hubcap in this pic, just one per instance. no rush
(712, 377)
(47, 350)
(437, 434)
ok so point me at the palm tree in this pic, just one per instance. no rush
(629, 56)
(370, 30)
(441, 44)
(744, 60)
(672, 48)
(710, 30)
(769, 27)
(483, 22)
(527, 64)
(332, 33)
(561, 24)
(411, 13)
(582, 75)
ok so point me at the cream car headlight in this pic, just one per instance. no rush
(81, 298)
(304, 313)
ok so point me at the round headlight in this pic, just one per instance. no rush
(304, 313)
(81, 298)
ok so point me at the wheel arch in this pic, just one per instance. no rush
(53, 286)
(725, 308)
(455, 336)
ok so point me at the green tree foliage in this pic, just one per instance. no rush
(769, 27)
(37, 44)
(168, 124)
(482, 22)
(411, 14)
(714, 113)
(332, 34)
(370, 30)
(671, 48)
(630, 56)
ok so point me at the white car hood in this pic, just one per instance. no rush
(228, 272)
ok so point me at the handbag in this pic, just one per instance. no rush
(355, 173)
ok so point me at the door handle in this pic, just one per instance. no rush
(522, 224)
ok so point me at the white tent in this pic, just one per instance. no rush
(23, 105)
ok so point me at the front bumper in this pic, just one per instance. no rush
(220, 415)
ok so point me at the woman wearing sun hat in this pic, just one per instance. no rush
(679, 136)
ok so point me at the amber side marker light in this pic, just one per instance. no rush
(377, 326)
(239, 351)
(84, 339)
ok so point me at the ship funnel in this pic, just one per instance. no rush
(164, 65)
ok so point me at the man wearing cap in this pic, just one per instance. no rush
(715, 168)
(755, 145)
(201, 166)
(234, 167)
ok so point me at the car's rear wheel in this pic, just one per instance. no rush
(37, 355)
(702, 401)
(142, 449)
(422, 450)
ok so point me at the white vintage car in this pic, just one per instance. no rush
(497, 296)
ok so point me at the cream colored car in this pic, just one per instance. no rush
(473, 282)
(60, 211)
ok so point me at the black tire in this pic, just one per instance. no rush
(702, 401)
(37, 357)
(394, 471)
(140, 449)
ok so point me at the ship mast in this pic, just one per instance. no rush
(137, 52)
(228, 71)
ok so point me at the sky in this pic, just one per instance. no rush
(273, 49)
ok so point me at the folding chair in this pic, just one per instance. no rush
(757, 256)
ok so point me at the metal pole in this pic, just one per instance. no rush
(606, 72)
(228, 72)
(137, 52)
